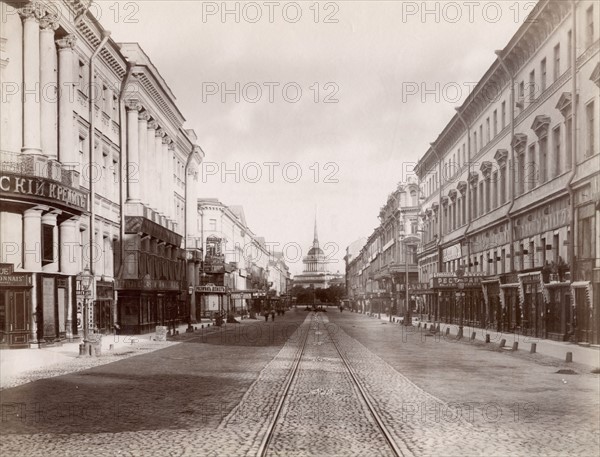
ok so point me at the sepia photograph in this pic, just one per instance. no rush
(300, 228)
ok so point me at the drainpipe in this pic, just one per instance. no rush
(91, 136)
(571, 246)
(468, 199)
(441, 219)
(185, 238)
(122, 136)
(513, 167)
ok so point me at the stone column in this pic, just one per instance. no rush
(32, 239)
(69, 241)
(158, 139)
(50, 219)
(30, 14)
(133, 152)
(151, 162)
(171, 183)
(48, 86)
(144, 175)
(67, 150)
(166, 142)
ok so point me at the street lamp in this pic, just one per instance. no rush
(86, 282)
(408, 240)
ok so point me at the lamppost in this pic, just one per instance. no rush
(408, 240)
(461, 300)
(86, 282)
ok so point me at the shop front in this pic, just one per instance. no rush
(460, 300)
(15, 307)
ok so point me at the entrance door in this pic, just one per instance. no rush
(14, 318)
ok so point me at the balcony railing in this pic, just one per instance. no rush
(38, 165)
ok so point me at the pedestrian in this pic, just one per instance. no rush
(273, 315)
(266, 317)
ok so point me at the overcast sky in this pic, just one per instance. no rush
(357, 120)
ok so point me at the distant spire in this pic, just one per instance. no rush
(316, 237)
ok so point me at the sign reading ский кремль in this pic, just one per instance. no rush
(45, 189)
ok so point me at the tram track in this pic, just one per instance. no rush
(395, 448)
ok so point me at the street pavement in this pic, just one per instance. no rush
(214, 394)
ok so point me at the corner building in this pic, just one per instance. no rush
(511, 186)
(72, 169)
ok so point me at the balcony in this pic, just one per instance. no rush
(39, 166)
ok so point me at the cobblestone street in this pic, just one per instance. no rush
(216, 394)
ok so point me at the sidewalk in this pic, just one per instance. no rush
(18, 366)
(589, 356)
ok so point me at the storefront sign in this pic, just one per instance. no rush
(44, 189)
(543, 220)
(450, 281)
(211, 288)
(452, 253)
(8, 278)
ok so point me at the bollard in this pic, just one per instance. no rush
(425, 326)
(487, 337)
(82, 349)
(447, 331)
(502, 342)
(515, 346)
(111, 347)
(533, 348)
(460, 334)
(569, 358)
(473, 335)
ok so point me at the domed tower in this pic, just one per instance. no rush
(315, 260)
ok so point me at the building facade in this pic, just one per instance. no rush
(239, 269)
(75, 149)
(379, 274)
(507, 227)
(511, 187)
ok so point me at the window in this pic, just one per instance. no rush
(503, 114)
(487, 195)
(115, 168)
(480, 136)
(556, 61)
(474, 202)
(495, 190)
(115, 108)
(212, 224)
(569, 143)
(543, 252)
(502, 185)
(81, 75)
(543, 159)
(531, 168)
(532, 86)
(555, 247)
(543, 75)
(589, 26)
(487, 130)
(521, 92)
(569, 47)
(106, 99)
(531, 254)
(557, 152)
(481, 207)
(474, 141)
(47, 244)
(495, 122)
(521, 173)
(464, 157)
(503, 262)
(81, 147)
(590, 147)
